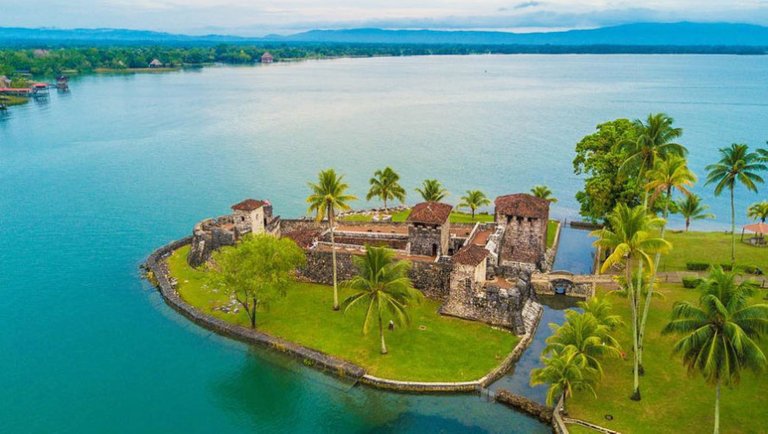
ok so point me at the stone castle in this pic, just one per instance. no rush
(479, 271)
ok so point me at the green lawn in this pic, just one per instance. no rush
(433, 348)
(672, 402)
(551, 232)
(13, 100)
(710, 247)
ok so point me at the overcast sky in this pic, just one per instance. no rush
(259, 17)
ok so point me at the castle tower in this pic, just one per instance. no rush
(525, 219)
(250, 216)
(429, 228)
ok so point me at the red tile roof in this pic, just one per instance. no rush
(249, 205)
(470, 255)
(522, 205)
(432, 213)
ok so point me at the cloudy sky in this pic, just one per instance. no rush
(259, 17)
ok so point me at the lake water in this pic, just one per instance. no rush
(93, 180)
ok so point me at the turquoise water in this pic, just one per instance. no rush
(92, 181)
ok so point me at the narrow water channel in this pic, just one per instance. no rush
(575, 254)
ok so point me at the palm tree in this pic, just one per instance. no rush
(565, 372)
(543, 192)
(758, 211)
(720, 333)
(583, 332)
(668, 174)
(383, 283)
(629, 237)
(656, 139)
(385, 186)
(691, 208)
(432, 191)
(474, 200)
(736, 165)
(602, 310)
(328, 196)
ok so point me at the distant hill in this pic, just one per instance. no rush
(641, 34)
(680, 34)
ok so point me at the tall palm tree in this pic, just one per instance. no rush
(474, 200)
(758, 211)
(328, 196)
(383, 283)
(602, 310)
(668, 174)
(432, 191)
(630, 238)
(583, 332)
(655, 139)
(737, 165)
(385, 185)
(720, 334)
(565, 372)
(543, 192)
(691, 208)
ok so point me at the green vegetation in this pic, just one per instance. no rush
(13, 100)
(552, 226)
(433, 348)
(328, 197)
(543, 192)
(671, 399)
(566, 373)
(383, 283)
(432, 190)
(720, 334)
(691, 208)
(758, 211)
(473, 200)
(709, 248)
(256, 272)
(385, 185)
(737, 166)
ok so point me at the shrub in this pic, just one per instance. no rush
(697, 266)
(751, 269)
(727, 267)
(691, 282)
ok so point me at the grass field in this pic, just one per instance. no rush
(672, 402)
(432, 348)
(13, 100)
(551, 232)
(710, 247)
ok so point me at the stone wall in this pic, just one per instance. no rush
(524, 240)
(432, 278)
(207, 237)
(294, 225)
(424, 237)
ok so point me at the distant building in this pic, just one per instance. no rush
(5, 81)
(525, 219)
(155, 63)
(267, 58)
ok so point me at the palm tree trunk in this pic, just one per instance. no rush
(333, 256)
(473, 213)
(632, 300)
(717, 407)
(381, 330)
(687, 223)
(647, 305)
(733, 232)
(385, 203)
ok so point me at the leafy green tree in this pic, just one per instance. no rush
(602, 309)
(691, 208)
(737, 165)
(473, 200)
(720, 334)
(758, 211)
(256, 270)
(543, 192)
(565, 372)
(583, 332)
(630, 237)
(432, 191)
(599, 157)
(382, 282)
(385, 185)
(329, 196)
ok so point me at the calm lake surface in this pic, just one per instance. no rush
(93, 180)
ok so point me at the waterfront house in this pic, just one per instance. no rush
(267, 58)
(155, 63)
